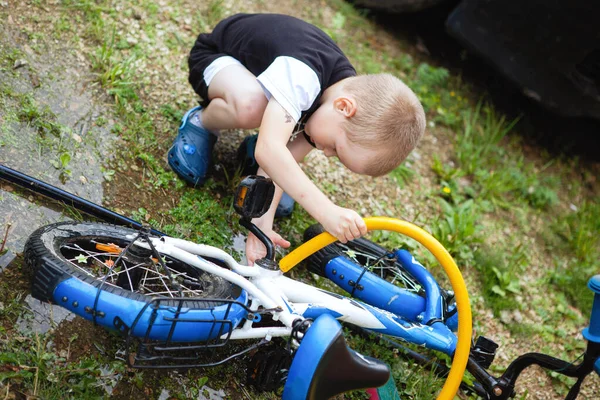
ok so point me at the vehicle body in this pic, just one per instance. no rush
(549, 49)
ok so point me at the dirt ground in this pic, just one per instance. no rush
(61, 77)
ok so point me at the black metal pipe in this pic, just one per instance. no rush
(83, 205)
(246, 223)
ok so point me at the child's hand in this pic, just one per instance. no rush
(256, 250)
(344, 224)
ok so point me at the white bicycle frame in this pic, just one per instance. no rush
(267, 288)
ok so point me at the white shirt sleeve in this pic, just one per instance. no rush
(292, 83)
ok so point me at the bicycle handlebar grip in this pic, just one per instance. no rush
(592, 332)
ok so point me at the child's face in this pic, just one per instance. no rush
(326, 129)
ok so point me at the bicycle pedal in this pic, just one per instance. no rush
(484, 351)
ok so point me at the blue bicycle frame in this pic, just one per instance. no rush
(402, 313)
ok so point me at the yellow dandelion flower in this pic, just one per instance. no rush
(446, 190)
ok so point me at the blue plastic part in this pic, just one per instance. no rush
(594, 284)
(376, 291)
(324, 331)
(436, 336)
(592, 332)
(200, 326)
(285, 206)
(434, 304)
(452, 322)
(597, 366)
(191, 152)
(315, 311)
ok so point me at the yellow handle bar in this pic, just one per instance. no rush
(465, 328)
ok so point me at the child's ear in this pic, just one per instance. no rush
(346, 105)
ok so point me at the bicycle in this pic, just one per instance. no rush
(183, 302)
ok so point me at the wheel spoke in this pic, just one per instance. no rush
(384, 267)
(150, 278)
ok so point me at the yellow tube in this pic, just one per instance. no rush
(461, 355)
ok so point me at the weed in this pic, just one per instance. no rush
(43, 120)
(62, 163)
(101, 121)
(170, 113)
(41, 373)
(201, 217)
(457, 230)
(207, 19)
(437, 91)
(478, 143)
(445, 172)
(500, 271)
(577, 234)
(540, 194)
(115, 75)
(160, 177)
(93, 14)
(402, 175)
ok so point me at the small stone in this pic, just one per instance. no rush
(35, 81)
(20, 63)
(573, 207)
(76, 137)
(505, 317)
(83, 179)
(517, 316)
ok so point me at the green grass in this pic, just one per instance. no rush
(29, 365)
(202, 218)
(576, 234)
(500, 271)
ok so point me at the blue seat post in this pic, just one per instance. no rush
(592, 332)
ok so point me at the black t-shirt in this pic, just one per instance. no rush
(293, 60)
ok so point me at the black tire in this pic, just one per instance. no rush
(366, 251)
(49, 249)
(398, 6)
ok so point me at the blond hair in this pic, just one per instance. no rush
(388, 117)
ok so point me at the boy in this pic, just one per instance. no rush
(290, 79)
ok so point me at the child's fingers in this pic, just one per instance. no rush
(355, 230)
(362, 227)
(279, 241)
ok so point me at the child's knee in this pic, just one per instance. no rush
(250, 109)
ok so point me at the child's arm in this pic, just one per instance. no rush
(278, 162)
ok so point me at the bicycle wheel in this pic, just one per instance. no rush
(84, 268)
(373, 257)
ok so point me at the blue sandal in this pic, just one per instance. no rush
(191, 152)
(249, 166)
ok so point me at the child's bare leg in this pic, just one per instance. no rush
(236, 100)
